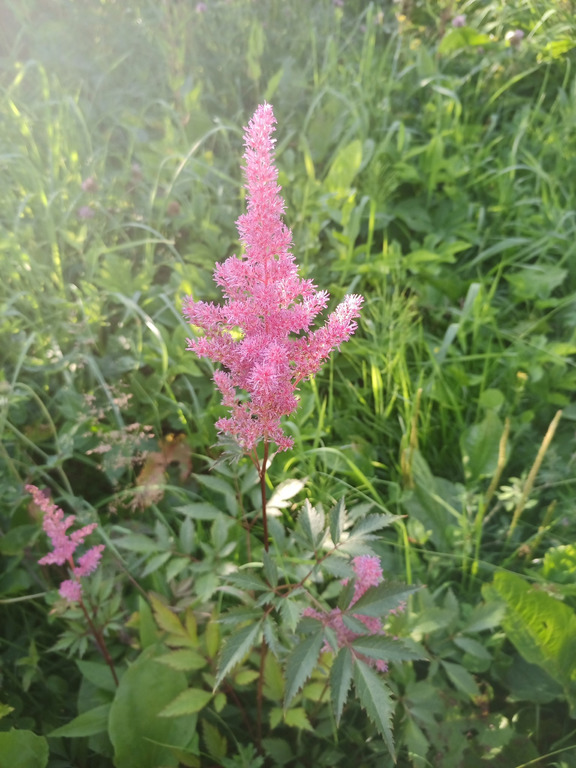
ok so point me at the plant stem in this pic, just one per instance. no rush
(262, 475)
(100, 642)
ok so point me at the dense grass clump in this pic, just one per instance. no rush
(426, 153)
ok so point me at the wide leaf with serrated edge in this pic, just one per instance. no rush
(340, 679)
(165, 618)
(338, 517)
(237, 647)
(374, 696)
(301, 663)
(384, 648)
(378, 601)
(311, 523)
(187, 703)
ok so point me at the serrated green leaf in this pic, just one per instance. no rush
(461, 678)
(216, 743)
(338, 516)
(184, 660)
(340, 679)
(187, 703)
(201, 510)
(346, 595)
(312, 525)
(237, 647)
(247, 580)
(384, 648)
(297, 718)
(378, 601)
(290, 610)
(165, 618)
(156, 562)
(485, 616)
(87, 724)
(273, 679)
(301, 663)
(473, 647)
(270, 570)
(372, 523)
(374, 696)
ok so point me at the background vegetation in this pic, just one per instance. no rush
(429, 167)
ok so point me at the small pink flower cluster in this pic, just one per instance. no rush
(55, 526)
(262, 334)
(368, 574)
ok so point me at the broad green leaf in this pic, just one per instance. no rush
(187, 703)
(378, 601)
(87, 724)
(141, 738)
(270, 569)
(384, 648)
(485, 616)
(201, 510)
(340, 679)
(480, 445)
(237, 647)
(473, 647)
(374, 696)
(23, 749)
(344, 168)
(541, 628)
(98, 673)
(461, 678)
(373, 523)
(301, 664)
(183, 660)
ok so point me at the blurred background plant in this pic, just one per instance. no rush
(427, 165)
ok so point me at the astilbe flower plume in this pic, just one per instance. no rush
(55, 525)
(262, 334)
(368, 572)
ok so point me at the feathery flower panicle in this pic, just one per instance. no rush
(55, 525)
(271, 306)
(368, 573)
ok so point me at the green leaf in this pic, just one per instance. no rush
(378, 601)
(297, 718)
(540, 627)
(141, 738)
(344, 168)
(216, 743)
(236, 649)
(98, 674)
(312, 525)
(374, 696)
(301, 663)
(340, 679)
(372, 523)
(166, 618)
(473, 647)
(23, 749)
(87, 724)
(461, 678)
(338, 517)
(187, 703)
(137, 542)
(384, 648)
(480, 445)
(485, 616)
(184, 660)
(247, 579)
(270, 570)
(462, 37)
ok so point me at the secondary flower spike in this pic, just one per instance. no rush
(262, 334)
(55, 526)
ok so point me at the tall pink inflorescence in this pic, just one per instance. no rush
(262, 333)
(64, 546)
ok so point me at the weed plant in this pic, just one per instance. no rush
(427, 157)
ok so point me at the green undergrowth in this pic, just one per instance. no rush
(426, 166)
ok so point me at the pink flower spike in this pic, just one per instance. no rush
(262, 335)
(64, 546)
(71, 590)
